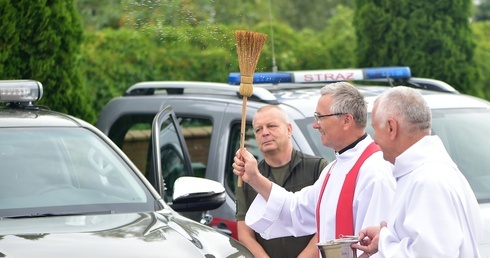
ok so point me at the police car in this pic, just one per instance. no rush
(210, 117)
(66, 190)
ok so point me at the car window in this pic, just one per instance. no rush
(464, 133)
(314, 139)
(65, 168)
(465, 136)
(197, 134)
(171, 156)
(132, 133)
(250, 144)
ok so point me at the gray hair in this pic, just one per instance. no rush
(283, 115)
(408, 106)
(347, 99)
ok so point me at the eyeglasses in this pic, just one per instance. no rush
(319, 117)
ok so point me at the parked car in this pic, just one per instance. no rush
(210, 117)
(66, 190)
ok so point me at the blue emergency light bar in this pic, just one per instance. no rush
(263, 77)
(400, 72)
(331, 75)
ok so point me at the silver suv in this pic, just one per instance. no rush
(67, 191)
(210, 117)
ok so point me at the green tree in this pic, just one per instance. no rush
(161, 13)
(434, 38)
(230, 12)
(9, 39)
(299, 14)
(338, 40)
(482, 55)
(113, 60)
(482, 11)
(97, 14)
(40, 40)
(307, 14)
(307, 49)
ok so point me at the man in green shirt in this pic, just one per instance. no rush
(285, 166)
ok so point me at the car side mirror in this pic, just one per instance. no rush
(197, 194)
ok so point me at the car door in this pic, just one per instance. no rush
(169, 156)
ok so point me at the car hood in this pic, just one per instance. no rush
(153, 234)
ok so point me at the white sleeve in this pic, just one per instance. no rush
(282, 215)
(376, 186)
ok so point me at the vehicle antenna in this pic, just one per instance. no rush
(274, 66)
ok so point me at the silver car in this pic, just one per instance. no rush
(210, 117)
(66, 190)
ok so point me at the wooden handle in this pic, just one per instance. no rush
(249, 45)
(242, 132)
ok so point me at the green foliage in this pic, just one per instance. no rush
(338, 40)
(41, 41)
(9, 41)
(282, 45)
(128, 41)
(307, 14)
(482, 11)
(113, 60)
(432, 37)
(99, 14)
(481, 31)
(332, 47)
(237, 12)
(141, 13)
(299, 14)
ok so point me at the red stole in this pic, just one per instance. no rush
(344, 220)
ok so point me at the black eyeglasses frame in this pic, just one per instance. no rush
(319, 117)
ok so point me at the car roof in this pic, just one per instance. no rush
(18, 107)
(305, 100)
(298, 96)
(36, 117)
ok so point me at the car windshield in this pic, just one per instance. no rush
(50, 171)
(465, 136)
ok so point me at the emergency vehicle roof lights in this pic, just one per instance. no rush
(20, 91)
(263, 77)
(331, 75)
